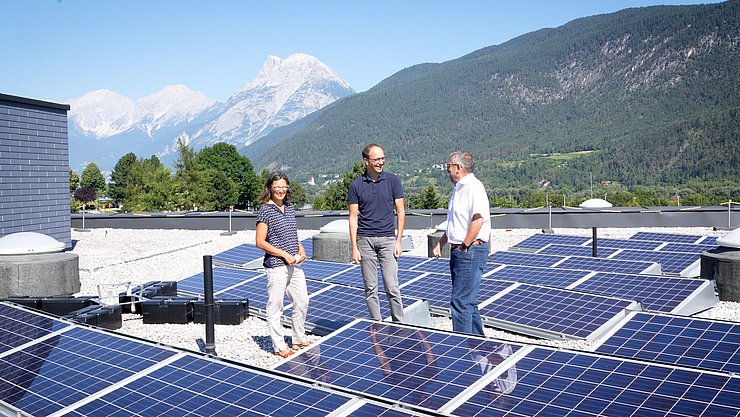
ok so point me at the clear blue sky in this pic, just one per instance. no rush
(59, 50)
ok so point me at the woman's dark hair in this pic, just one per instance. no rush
(267, 191)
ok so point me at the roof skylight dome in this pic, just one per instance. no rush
(595, 203)
(730, 240)
(336, 226)
(24, 243)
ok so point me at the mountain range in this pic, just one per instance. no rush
(104, 125)
(641, 96)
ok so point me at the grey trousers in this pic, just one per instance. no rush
(374, 251)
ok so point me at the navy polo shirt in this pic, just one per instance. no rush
(376, 203)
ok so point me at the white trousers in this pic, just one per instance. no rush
(280, 280)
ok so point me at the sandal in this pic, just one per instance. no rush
(298, 346)
(284, 353)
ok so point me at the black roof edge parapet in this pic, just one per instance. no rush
(34, 102)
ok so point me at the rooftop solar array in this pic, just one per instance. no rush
(321, 270)
(625, 244)
(353, 278)
(575, 262)
(409, 262)
(554, 313)
(684, 264)
(656, 293)
(676, 238)
(519, 258)
(470, 376)
(255, 290)
(551, 277)
(685, 247)
(78, 371)
(222, 278)
(540, 240)
(436, 289)
(570, 250)
(18, 327)
(682, 341)
(241, 255)
(308, 246)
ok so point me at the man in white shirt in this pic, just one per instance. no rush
(468, 230)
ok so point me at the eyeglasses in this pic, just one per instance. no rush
(376, 160)
(452, 165)
(281, 188)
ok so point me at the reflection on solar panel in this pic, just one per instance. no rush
(338, 305)
(222, 278)
(576, 250)
(255, 290)
(610, 265)
(682, 341)
(353, 278)
(406, 365)
(321, 269)
(518, 258)
(551, 277)
(676, 238)
(553, 312)
(201, 387)
(686, 247)
(409, 262)
(19, 326)
(240, 255)
(44, 377)
(436, 289)
(308, 246)
(656, 293)
(681, 263)
(540, 240)
(558, 383)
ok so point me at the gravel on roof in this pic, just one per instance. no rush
(115, 256)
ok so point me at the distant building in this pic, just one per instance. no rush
(34, 168)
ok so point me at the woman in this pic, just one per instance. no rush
(277, 235)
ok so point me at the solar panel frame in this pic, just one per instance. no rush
(674, 295)
(554, 313)
(691, 342)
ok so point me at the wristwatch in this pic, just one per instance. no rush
(464, 246)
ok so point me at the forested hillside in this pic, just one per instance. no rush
(642, 96)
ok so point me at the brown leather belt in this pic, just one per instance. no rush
(475, 242)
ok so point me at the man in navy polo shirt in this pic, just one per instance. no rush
(372, 199)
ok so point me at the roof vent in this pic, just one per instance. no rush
(336, 226)
(24, 243)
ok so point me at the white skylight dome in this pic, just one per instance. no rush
(730, 240)
(24, 243)
(595, 203)
(336, 226)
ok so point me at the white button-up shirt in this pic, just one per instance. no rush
(468, 198)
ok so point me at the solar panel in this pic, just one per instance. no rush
(697, 343)
(552, 277)
(353, 278)
(442, 266)
(680, 263)
(575, 250)
(625, 244)
(402, 364)
(676, 238)
(255, 290)
(686, 247)
(201, 387)
(558, 383)
(518, 258)
(610, 265)
(655, 293)
(19, 326)
(240, 255)
(308, 246)
(44, 377)
(409, 262)
(336, 306)
(222, 278)
(540, 240)
(321, 270)
(437, 288)
(553, 312)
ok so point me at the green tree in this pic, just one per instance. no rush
(190, 182)
(149, 187)
(225, 158)
(336, 196)
(426, 199)
(93, 178)
(222, 192)
(298, 194)
(74, 180)
(119, 177)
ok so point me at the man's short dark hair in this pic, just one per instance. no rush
(366, 150)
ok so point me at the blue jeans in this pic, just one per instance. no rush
(466, 269)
